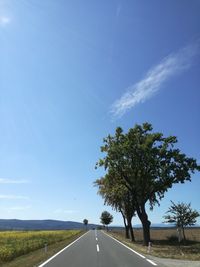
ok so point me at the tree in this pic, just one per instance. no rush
(148, 164)
(181, 215)
(85, 221)
(117, 196)
(106, 218)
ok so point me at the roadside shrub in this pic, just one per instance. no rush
(172, 238)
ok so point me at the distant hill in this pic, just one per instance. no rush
(164, 225)
(13, 224)
(155, 226)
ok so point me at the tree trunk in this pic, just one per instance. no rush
(145, 224)
(126, 227)
(146, 231)
(183, 231)
(131, 230)
(127, 236)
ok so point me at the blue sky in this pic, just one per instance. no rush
(70, 73)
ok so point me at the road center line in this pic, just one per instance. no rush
(96, 239)
(97, 248)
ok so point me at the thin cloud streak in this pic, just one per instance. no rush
(11, 181)
(154, 79)
(13, 197)
(18, 208)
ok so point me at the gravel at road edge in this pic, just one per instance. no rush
(165, 262)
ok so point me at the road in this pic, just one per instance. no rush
(97, 249)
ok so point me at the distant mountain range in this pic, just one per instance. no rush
(156, 226)
(13, 224)
(162, 225)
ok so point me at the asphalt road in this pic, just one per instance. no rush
(97, 249)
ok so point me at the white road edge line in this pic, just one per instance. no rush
(153, 263)
(44, 263)
(97, 248)
(126, 246)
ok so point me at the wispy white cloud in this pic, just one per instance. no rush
(4, 20)
(155, 78)
(14, 209)
(18, 208)
(13, 197)
(61, 211)
(11, 181)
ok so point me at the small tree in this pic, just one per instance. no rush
(106, 218)
(85, 221)
(182, 215)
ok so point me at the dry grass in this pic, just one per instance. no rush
(192, 234)
(165, 244)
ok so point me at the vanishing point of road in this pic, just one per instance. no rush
(97, 249)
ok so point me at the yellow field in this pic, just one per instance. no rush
(17, 243)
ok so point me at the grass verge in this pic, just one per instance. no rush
(35, 258)
(163, 248)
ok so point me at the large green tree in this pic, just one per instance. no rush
(181, 215)
(117, 196)
(148, 164)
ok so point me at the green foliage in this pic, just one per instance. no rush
(85, 221)
(106, 218)
(147, 164)
(181, 214)
(115, 194)
(119, 198)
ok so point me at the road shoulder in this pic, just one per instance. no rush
(164, 262)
